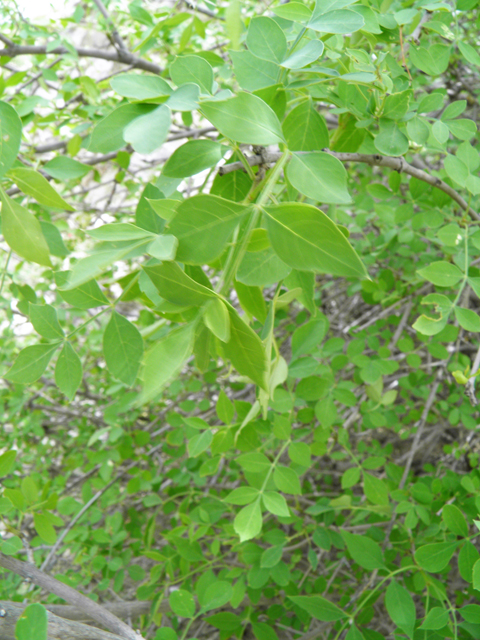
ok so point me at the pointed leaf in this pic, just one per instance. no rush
(192, 69)
(107, 135)
(45, 322)
(217, 319)
(68, 371)
(10, 136)
(286, 480)
(244, 118)
(248, 521)
(308, 240)
(365, 551)
(318, 607)
(266, 39)
(400, 607)
(306, 55)
(148, 132)
(435, 557)
(22, 232)
(305, 129)
(122, 348)
(192, 157)
(30, 363)
(275, 503)
(174, 285)
(140, 87)
(63, 168)
(319, 176)
(33, 184)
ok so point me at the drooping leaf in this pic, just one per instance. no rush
(86, 296)
(122, 348)
(217, 319)
(244, 118)
(22, 232)
(308, 240)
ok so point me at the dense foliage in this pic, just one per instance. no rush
(240, 282)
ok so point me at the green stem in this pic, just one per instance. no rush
(4, 273)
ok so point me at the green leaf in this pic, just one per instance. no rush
(275, 503)
(54, 239)
(182, 603)
(217, 319)
(286, 480)
(476, 575)
(6, 462)
(462, 129)
(266, 40)
(353, 633)
(44, 527)
(248, 521)
(30, 363)
(224, 408)
(304, 56)
(245, 350)
(148, 132)
(68, 371)
(216, 595)
(418, 130)
(441, 273)
(10, 136)
(192, 157)
(242, 496)
(253, 73)
(319, 176)
(140, 87)
(119, 231)
(262, 268)
(467, 319)
(252, 301)
(225, 621)
(185, 98)
(32, 183)
(442, 306)
(107, 135)
(87, 296)
(64, 168)
(437, 618)
(318, 607)
(341, 21)
(163, 248)
(164, 360)
(469, 53)
(122, 348)
(305, 129)
(271, 556)
(375, 490)
(192, 69)
(254, 462)
(391, 141)
(454, 520)
(199, 443)
(309, 335)
(306, 239)
(400, 607)
(203, 225)
(22, 232)
(11, 546)
(294, 11)
(435, 557)
(45, 322)
(299, 452)
(432, 61)
(466, 559)
(440, 132)
(176, 286)
(244, 118)
(365, 552)
(32, 624)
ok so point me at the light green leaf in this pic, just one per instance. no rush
(319, 607)
(164, 360)
(308, 240)
(192, 157)
(86, 296)
(199, 443)
(253, 73)
(319, 176)
(437, 618)
(435, 557)
(248, 521)
(164, 247)
(375, 490)
(262, 268)
(203, 225)
(245, 350)
(6, 462)
(432, 61)
(148, 132)
(275, 503)
(252, 301)
(428, 325)
(271, 556)
(340, 21)
(455, 520)
(306, 55)
(400, 607)
(217, 319)
(286, 480)
(294, 11)
(305, 129)
(45, 322)
(107, 135)
(456, 169)
(32, 624)
(22, 232)
(192, 69)
(30, 363)
(216, 595)
(244, 118)
(68, 371)
(44, 527)
(33, 184)
(418, 130)
(309, 335)
(176, 286)
(469, 52)
(119, 231)
(140, 87)
(122, 348)
(391, 141)
(462, 128)
(54, 239)
(242, 496)
(365, 552)
(185, 98)
(10, 136)
(224, 408)
(266, 40)
(182, 603)
(467, 319)
(299, 452)
(441, 273)
(63, 168)
(440, 131)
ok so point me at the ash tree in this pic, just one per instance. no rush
(240, 288)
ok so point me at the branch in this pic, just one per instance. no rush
(117, 38)
(123, 57)
(397, 164)
(94, 610)
(58, 628)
